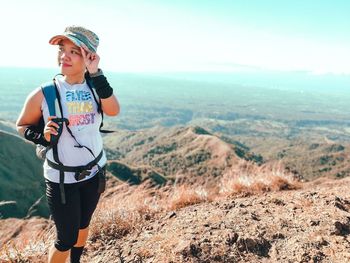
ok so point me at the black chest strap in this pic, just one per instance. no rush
(75, 169)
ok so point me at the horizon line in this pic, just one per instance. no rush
(246, 69)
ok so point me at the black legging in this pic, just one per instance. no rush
(81, 202)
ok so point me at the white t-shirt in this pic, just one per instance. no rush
(80, 108)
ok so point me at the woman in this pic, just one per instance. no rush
(74, 163)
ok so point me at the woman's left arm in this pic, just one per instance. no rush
(110, 104)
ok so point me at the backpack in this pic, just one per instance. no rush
(53, 101)
(52, 98)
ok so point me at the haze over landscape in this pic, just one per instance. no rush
(233, 140)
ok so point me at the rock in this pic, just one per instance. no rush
(172, 215)
(259, 246)
(193, 250)
(341, 229)
(231, 238)
(278, 236)
(314, 222)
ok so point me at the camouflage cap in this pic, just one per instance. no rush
(80, 36)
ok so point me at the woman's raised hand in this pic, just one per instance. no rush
(91, 60)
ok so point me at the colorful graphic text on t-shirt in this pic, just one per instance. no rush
(80, 107)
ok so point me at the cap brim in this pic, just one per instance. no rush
(56, 40)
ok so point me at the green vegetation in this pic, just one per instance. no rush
(135, 175)
(336, 148)
(199, 130)
(124, 173)
(21, 178)
(162, 149)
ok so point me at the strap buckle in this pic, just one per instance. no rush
(81, 175)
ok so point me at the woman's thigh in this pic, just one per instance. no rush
(89, 198)
(67, 217)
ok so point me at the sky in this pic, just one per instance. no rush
(185, 35)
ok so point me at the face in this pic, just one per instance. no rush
(70, 58)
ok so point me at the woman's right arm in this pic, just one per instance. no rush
(31, 111)
(29, 119)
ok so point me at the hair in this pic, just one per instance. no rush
(58, 54)
(58, 60)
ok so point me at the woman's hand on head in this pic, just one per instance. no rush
(91, 60)
(50, 128)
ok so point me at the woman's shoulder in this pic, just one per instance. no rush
(38, 91)
(36, 95)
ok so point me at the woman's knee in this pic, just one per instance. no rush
(67, 242)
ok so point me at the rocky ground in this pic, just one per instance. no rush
(309, 224)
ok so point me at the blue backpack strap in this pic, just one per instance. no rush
(51, 96)
(49, 91)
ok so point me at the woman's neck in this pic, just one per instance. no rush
(75, 79)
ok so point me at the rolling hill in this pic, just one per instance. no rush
(22, 182)
(182, 152)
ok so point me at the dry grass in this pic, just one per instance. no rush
(117, 216)
(185, 195)
(248, 179)
(131, 206)
(128, 208)
(28, 250)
